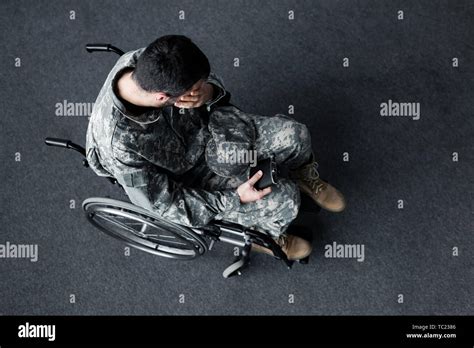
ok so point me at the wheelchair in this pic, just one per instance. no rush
(144, 230)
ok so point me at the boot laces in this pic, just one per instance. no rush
(311, 176)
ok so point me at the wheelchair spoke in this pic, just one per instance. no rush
(143, 235)
(120, 224)
(144, 227)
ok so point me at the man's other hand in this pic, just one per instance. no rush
(248, 193)
(197, 96)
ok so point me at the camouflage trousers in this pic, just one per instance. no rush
(289, 143)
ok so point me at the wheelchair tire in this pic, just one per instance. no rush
(154, 235)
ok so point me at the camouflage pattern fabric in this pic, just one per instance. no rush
(172, 161)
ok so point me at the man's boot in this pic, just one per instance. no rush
(325, 195)
(294, 247)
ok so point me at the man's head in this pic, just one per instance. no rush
(170, 66)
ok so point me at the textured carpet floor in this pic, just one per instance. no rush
(423, 251)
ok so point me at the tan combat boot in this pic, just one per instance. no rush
(325, 195)
(294, 247)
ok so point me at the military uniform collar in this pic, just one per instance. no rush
(129, 60)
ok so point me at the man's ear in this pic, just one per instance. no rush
(161, 97)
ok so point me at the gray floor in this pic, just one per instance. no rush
(408, 251)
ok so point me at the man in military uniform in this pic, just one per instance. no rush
(162, 126)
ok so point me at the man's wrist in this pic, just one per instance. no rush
(217, 94)
(213, 92)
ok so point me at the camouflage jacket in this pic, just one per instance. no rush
(150, 153)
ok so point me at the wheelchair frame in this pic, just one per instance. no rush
(196, 240)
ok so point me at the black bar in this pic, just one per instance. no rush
(290, 330)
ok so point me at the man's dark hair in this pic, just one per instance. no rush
(171, 64)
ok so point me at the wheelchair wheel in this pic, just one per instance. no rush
(143, 230)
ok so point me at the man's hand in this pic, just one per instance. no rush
(248, 193)
(196, 97)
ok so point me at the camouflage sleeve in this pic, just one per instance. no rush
(220, 93)
(152, 189)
